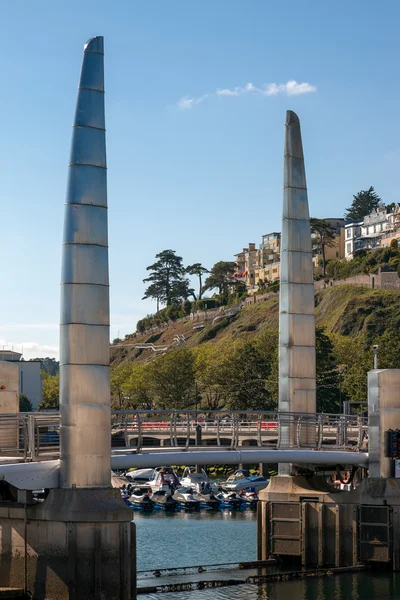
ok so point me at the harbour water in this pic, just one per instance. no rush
(185, 539)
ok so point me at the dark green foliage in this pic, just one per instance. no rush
(25, 405)
(274, 287)
(198, 270)
(187, 307)
(221, 278)
(363, 204)
(211, 332)
(328, 394)
(167, 281)
(364, 262)
(323, 236)
(153, 338)
(49, 365)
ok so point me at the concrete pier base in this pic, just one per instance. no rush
(77, 544)
(322, 526)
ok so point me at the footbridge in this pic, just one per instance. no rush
(30, 442)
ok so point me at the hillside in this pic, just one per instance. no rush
(233, 361)
(346, 310)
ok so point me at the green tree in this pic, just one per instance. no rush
(50, 391)
(207, 367)
(328, 375)
(25, 405)
(155, 291)
(138, 388)
(356, 360)
(165, 274)
(323, 236)
(131, 386)
(389, 349)
(172, 379)
(363, 204)
(243, 377)
(180, 291)
(221, 277)
(198, 270)
(394, 244)
(49, 365)
(119, 376)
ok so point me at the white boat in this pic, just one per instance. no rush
(199, 482)
(241, 480)
(140, 475)
(185, 498)
(165, 480)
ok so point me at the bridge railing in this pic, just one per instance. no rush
(36, 436)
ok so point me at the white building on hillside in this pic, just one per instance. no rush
(376, 230)
(352, 234)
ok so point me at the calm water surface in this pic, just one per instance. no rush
(184, 539)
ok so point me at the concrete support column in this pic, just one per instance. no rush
(297, 388)
(80, 542)
(383, 414)
(84, 330)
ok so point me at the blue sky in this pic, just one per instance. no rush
(203, 178)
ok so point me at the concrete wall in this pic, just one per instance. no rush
(385, 280)
(9, 381)
(87, 554)
(30, 381)
(9, 404)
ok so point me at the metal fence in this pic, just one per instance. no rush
(36, 436)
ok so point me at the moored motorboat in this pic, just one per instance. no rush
(250, 497)
(207, 500)
(229, 499)
(141, 499)
(163, 499)
(186, 498)
(165, 479)
(241, 479)
(198, 482)
(140, 475)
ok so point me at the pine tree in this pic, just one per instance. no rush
(323, 237)
(363, 204)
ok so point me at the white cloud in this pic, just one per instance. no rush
(294, 89)
(186, 102)
(290, 88)
(30, 349)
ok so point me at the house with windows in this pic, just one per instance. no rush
(375, 230)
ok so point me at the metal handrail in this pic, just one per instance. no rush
(37, 434)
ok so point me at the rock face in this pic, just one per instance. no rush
(297, 388)
(84, 330)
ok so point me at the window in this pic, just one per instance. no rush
(337, 254)
(348, 249)
(349, 233)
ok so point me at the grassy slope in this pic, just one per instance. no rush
(345, 309)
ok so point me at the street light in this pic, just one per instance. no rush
(375, 348)
(340, 370)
